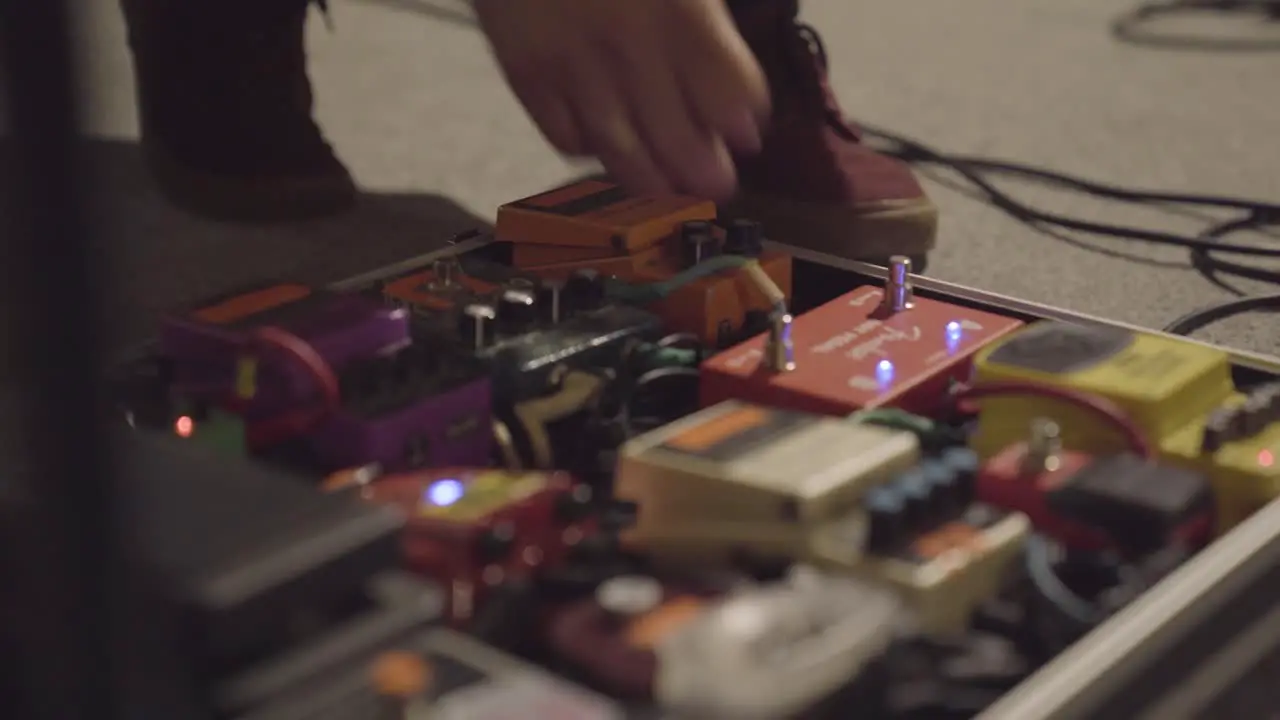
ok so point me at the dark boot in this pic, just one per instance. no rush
(815, 184)
(225, 108)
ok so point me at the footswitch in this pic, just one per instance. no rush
(472, 530)
(853, 353)
(597, 216)
(741, 478)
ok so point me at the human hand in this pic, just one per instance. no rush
(662, 92)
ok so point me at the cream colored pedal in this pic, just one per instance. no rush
(740, 477)
(946, 573)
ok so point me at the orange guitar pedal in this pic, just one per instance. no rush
(697, 277)
(719, 307)
(595, 216)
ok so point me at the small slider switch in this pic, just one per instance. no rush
(583, 291)
(745, 238)
(898, 293)
(779, 352)
(517, 310)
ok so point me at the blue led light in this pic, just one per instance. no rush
(443, 493)
(884, 372)
(954, 333)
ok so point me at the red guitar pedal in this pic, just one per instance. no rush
(474, 529)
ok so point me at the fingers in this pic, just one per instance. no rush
(609, 129)
(726, 86)
(554, 116)
(693, 158)
(663, 104)
(541, 94)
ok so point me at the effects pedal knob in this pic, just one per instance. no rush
(1257, 412)
(1219, 429)
(517, 310)
(946, 486)
(921, 501)
(886, 515)
(574, 506)
(495, 544)
(475, 325)
(697, 241)
(583, 292)
(744, 237)
(964, 463)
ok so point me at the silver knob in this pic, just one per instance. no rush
(779, 352)
(898, 293)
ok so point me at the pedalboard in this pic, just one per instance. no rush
(673, 467)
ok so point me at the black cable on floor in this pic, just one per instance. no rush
(1202, 318)
(972, 170)
(1133, 27)
(1205, 247)
(1213, 267)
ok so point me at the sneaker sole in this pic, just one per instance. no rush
(906, 227)
(249, 200)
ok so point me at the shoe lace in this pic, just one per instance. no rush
(811, 51)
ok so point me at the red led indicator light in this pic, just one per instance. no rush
(1266, 458)
(184, 426)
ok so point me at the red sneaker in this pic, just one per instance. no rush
(815, 184)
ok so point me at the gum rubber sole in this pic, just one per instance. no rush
(908, 227)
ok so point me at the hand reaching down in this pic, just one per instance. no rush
(662, 92)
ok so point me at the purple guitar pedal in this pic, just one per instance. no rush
(410, 410)
(206, 345)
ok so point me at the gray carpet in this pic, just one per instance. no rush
(416, 107)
